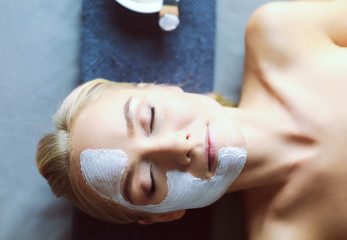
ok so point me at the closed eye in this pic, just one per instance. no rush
(153, 185)
(151, 125)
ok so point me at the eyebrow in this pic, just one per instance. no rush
(127, 183)
(128, 116)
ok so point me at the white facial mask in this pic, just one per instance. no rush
(103, 170)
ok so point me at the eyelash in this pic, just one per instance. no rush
(153, 185)
(151, 124)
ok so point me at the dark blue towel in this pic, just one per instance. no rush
(121, 45)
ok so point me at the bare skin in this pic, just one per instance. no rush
(295, 121)
(291, 119)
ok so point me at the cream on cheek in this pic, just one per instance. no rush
(103, 170)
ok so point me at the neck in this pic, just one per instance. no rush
(267, 138)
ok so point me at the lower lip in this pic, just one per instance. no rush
(210, 149)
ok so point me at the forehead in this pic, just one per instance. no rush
(101, 124)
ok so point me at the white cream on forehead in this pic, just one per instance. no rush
(103, 170)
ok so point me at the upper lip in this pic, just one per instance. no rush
(209, 149)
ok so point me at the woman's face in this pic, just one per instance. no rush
(160, 128)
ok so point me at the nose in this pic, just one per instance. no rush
(174, 148)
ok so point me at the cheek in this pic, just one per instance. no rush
(187, 107)
(171, 116)
(174, 89)
(177, 111)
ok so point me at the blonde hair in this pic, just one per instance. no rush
(54, 155)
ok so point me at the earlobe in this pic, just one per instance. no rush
(142, 85)
(164, 217)
(145, 222)
(170, 216)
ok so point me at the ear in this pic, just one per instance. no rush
(145, 85)
(142, 85)
(164, 217)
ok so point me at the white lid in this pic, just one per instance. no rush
(169, 22)
(142, 6)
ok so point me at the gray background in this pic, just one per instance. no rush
(39, 48)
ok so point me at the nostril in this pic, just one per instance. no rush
(188, 155)
(188, 158)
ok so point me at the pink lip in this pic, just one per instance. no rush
(210, 149)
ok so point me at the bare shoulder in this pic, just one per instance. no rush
(296, 22)
(296, 53)
(296, 56)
